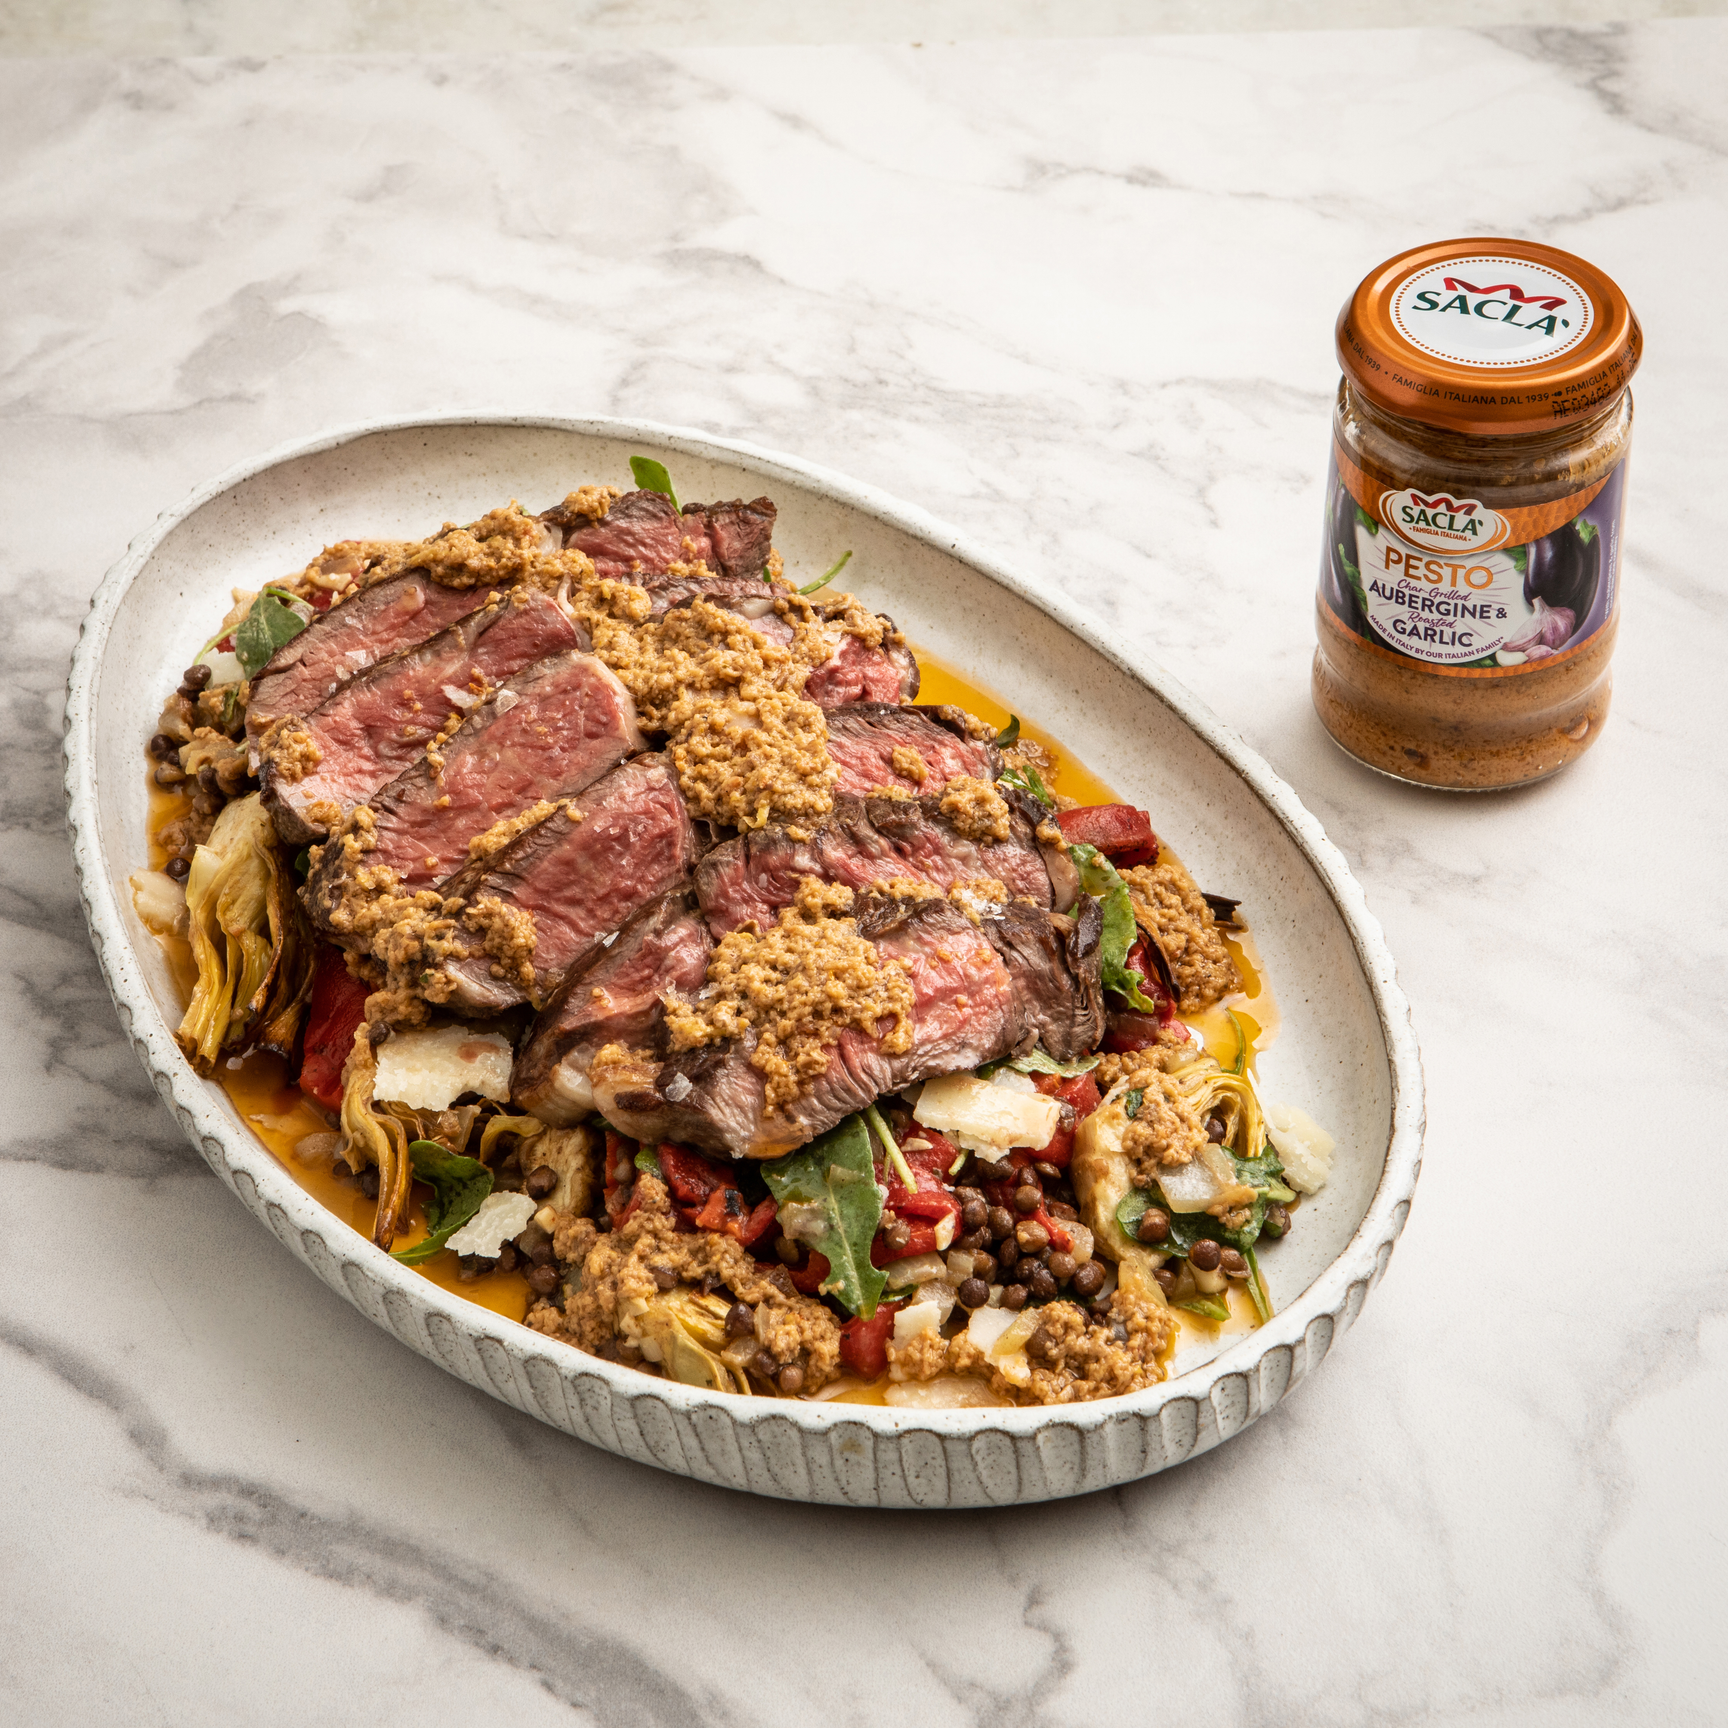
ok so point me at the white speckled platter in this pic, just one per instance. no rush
(1346, 1051)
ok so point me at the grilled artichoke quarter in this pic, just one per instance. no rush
(685, 1332)
(1204, 1181)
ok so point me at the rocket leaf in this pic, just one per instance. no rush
(1039, 1061)
(827, 575)
(651, 476)
(1028, 780)
(838, 1173)
(458, 1186)
(262, 631)
(1098, 877)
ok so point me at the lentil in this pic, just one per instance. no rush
(1089, 1279)
(1154, 1225)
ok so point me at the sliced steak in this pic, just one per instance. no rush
(856, 672)
(863, 736)
(749, 596)
(963, 1014)
(979, 992)
(1052, 961)
(866, 841)
(612, 998)
(379, 621)
(643, 533)
(380, 720)
(551, 731)
(581, 874)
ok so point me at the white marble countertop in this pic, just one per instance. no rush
(1076, 297)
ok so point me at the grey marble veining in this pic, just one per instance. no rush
(1077, 298)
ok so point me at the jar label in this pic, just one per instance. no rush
(1492, 311)
(1439, 577)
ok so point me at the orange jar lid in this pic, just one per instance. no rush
(1489, 336)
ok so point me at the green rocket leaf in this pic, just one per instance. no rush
(458, 1186)
(838, 1173)
(650, 476)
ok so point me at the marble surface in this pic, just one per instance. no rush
(501, 26)
(1076, 297)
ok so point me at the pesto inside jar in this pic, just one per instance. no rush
(1469, 581)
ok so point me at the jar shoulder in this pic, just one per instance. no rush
(1519, 469)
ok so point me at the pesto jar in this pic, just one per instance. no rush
(1469, 582)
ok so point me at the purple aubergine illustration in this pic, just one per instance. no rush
(1564, 568)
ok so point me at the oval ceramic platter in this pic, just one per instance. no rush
(1345, 1052)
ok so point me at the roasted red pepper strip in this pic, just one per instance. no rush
(922, 1240)
(691, 1178)
(1128, 1029)
(1080, 1094)
(1122, 833)
(725, 1212)
(706, 1194)
(807, 1279)
(621, 1197)
(338, 1006)
(864, 1343)
(925, 1207)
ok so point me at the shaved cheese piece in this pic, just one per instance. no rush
(1008, 1354)
(431, 1069)
(915, 1320)
(987, 1325)
(501, 1218)
(1304, 1148)
(1014, 1336)
(986, 1118)
(915, 1269)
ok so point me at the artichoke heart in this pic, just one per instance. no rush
(251, 950)
(684, 1332)
(1102, 1178)
(375, 1138)
(1104, 1175)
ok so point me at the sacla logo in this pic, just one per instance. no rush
(1492, 312)
(1505, 301)
(1443, 524)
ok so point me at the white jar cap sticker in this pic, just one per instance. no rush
(1491, 311)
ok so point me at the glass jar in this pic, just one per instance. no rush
(1469, 583)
